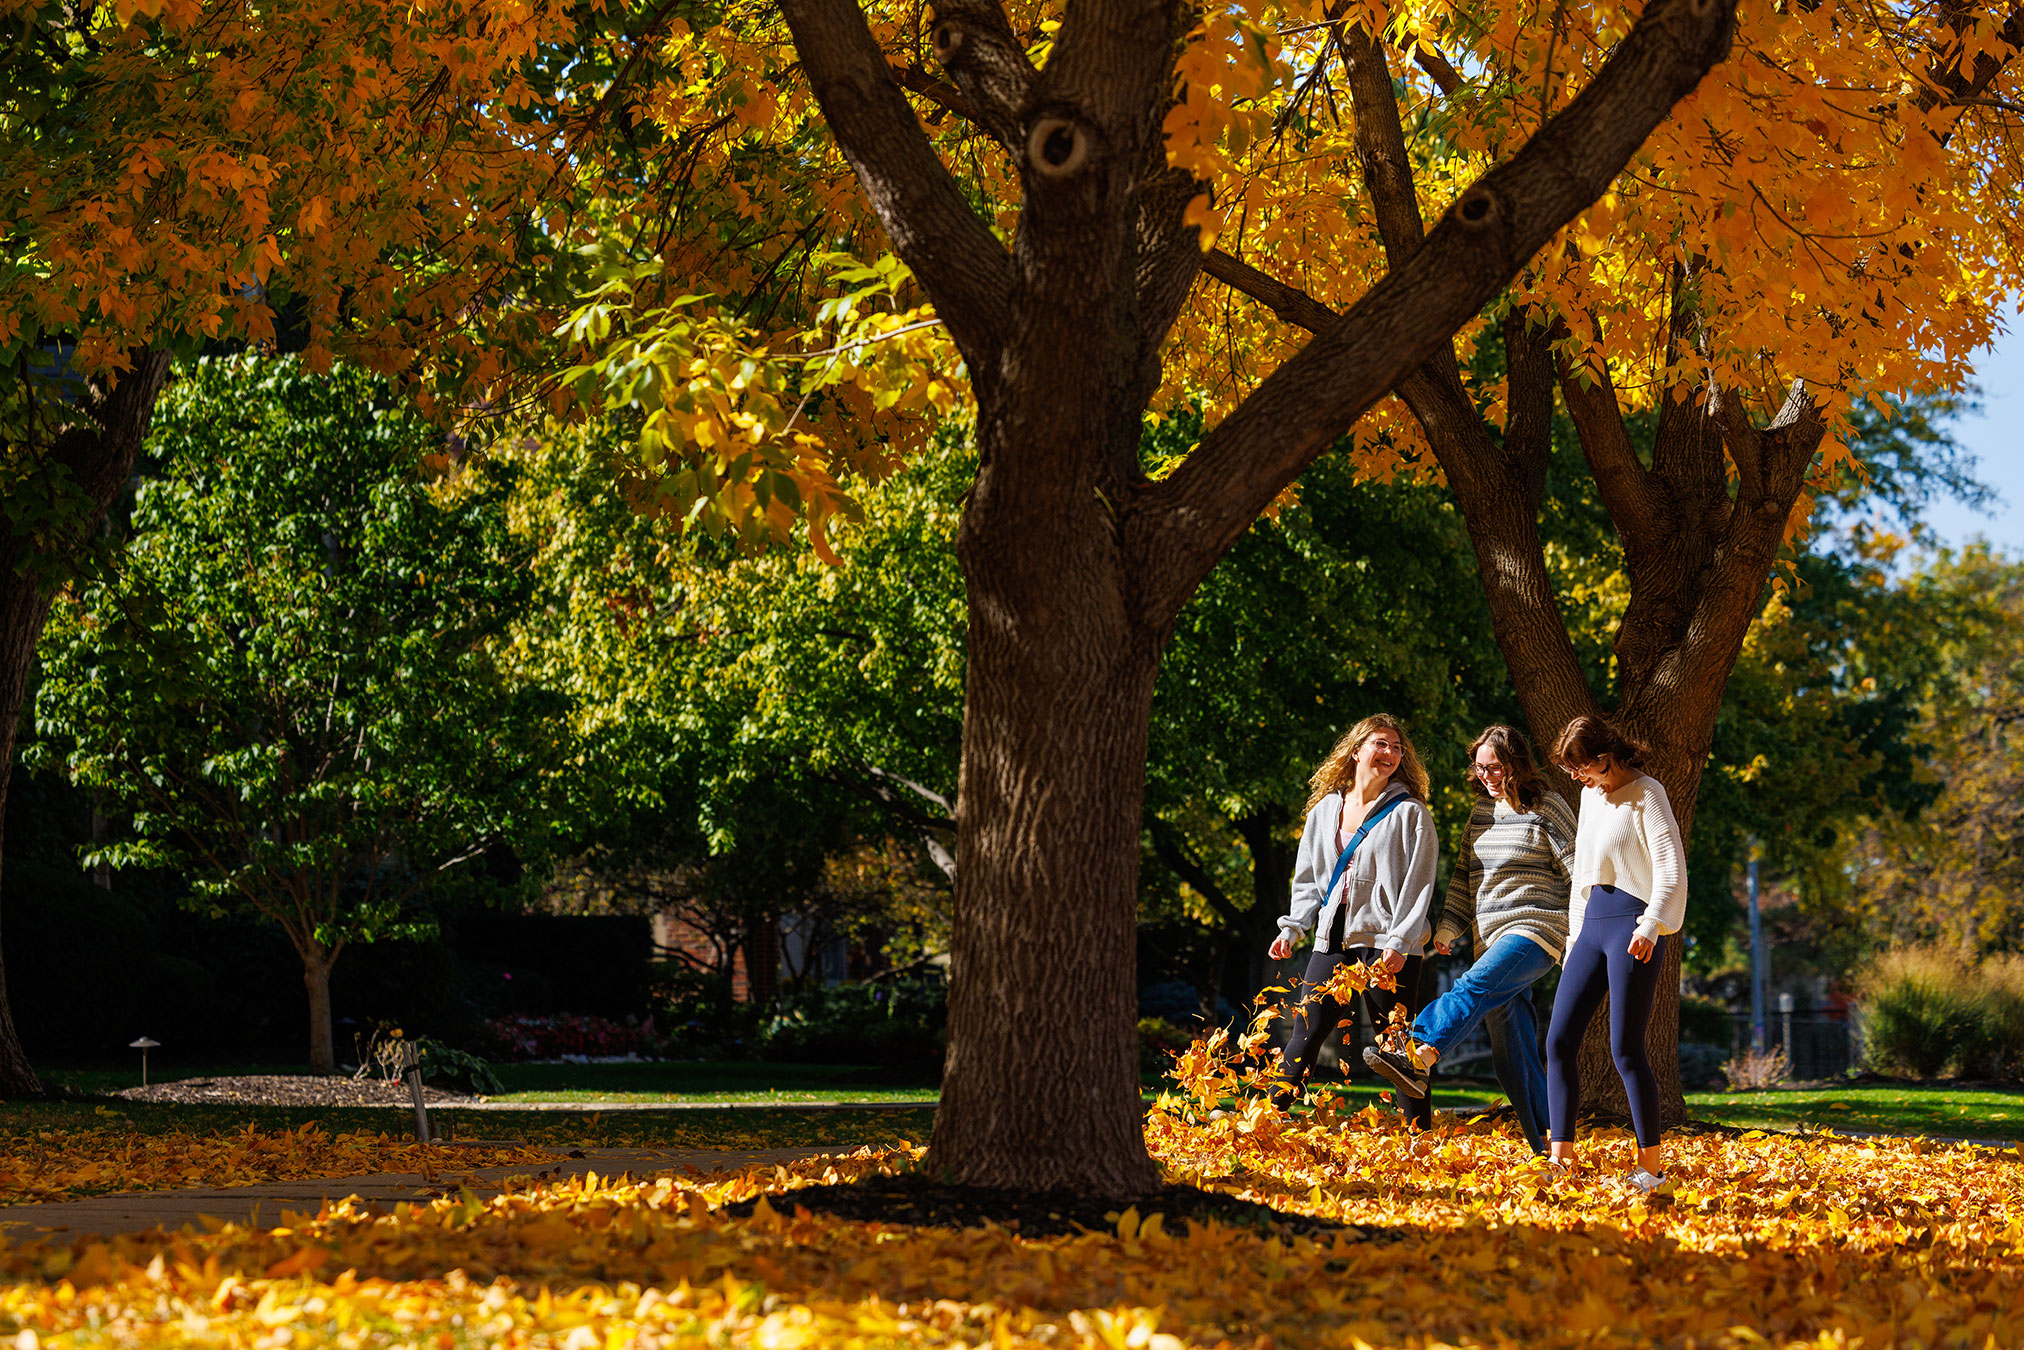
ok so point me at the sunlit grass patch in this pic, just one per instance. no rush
(1910, 1109)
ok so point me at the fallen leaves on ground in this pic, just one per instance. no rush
(676, 1127)
(41, 1165)
(1770, 1240)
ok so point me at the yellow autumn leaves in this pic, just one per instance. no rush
(1771, 1240)
(62, 1164)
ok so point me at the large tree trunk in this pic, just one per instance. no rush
(58, 506)
(1041, 1087)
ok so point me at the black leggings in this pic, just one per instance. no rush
(1314, 1018)
(1598, 965)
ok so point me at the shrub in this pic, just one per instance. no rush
(1170, 1001)
(1925, 1011)
(697, 1015)
(448, 1067)
(1701, 1064)
(2002, 979)
(897, 1021)
(1705, 1020)
(1752, 1069)
(525, 1036)
(1159, 1041)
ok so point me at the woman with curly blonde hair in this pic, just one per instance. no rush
(1364, 880)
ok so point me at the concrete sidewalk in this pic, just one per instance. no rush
(266, 1203)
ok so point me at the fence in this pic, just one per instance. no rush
(1816, 1045)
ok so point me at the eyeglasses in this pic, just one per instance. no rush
(1489, 771)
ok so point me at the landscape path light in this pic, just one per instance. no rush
(143, 1045)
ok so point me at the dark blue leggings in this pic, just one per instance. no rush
(1599, 965)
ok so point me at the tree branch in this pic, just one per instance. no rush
(933, 228)
(1590, 396)
(929, 829)
(1183, 864)
(1381, 145)
(974, 42)
(1528, 399)
(1436, 65)
(1182, 525)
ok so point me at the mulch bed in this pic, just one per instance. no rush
(916, 1201)
(286, 1090)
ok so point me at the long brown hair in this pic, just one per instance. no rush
(1338, 770)
(1522, 783)
(1588, 738)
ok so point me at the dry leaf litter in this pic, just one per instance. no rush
(1770, 1240)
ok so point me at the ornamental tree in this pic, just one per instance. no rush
(290, 680)
(343, 178)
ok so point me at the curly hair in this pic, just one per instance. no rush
(1338, 770)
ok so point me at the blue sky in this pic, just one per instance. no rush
(1997, 440)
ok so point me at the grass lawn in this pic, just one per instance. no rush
(743, 1128)
(652, 1081)
(1911, 1108)
(1362, 1092)
(711, 1081)
(1979, 1112)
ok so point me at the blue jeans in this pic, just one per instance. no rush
(1498, 989)
(1514, 1054)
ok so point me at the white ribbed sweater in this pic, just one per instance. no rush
(1628, 839)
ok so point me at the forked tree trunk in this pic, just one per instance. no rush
(1076, 562)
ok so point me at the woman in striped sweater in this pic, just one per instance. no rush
(1509, 889)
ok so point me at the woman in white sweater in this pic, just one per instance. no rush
(1628, 898)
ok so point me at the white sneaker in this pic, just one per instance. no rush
(1651, 1183)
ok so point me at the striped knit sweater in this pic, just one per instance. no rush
(1513, 874)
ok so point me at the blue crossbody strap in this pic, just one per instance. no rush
(1342, 860)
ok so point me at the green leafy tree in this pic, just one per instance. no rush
(290, 680)
(1947, 866)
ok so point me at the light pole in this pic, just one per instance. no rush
(1758, 971)
(143, 1045)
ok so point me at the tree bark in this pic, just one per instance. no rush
(1273, 852)
(1041, 1085)
(1076, 565)
(317, 961)
(60, 504)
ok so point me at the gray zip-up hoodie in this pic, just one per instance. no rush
(1389, 885)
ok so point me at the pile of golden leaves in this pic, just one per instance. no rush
(1777, 1240)
(63, 1164)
